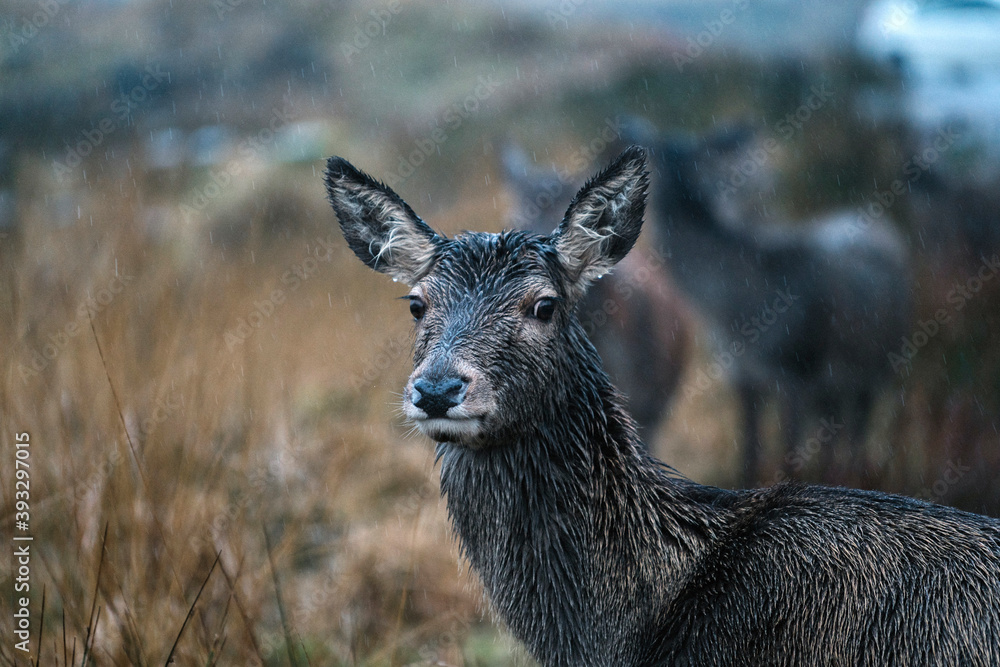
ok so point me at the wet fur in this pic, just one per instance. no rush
(593, 553)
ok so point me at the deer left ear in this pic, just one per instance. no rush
(382, 230)
(603, 221)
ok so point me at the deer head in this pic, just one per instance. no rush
(497, 341)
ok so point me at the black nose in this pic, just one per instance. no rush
(435, 397)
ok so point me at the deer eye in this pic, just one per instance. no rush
(417, 307)
(544, 309)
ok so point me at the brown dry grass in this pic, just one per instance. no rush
(183, 449)
(150, 427)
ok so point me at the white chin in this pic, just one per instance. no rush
(463, 430)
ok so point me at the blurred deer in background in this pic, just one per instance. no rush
(635, 317)
(808, 313)
(957, 224)
(591, 551)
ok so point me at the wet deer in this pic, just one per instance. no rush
(591, 551)
(808, 314)
(634, 316)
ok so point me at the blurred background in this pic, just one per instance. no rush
(205, 369)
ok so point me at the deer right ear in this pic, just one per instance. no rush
(603, 221)
(381, 229)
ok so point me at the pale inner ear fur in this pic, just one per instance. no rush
(408, 254)
(603, 223)
(384, 233)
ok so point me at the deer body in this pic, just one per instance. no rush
(809, 315)
(591, 551)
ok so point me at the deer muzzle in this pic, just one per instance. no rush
(449, 405)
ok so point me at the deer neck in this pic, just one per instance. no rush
(567, 519)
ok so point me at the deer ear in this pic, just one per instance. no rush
(604, 220)
(381, 229)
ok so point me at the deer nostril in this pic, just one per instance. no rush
(436, 397)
